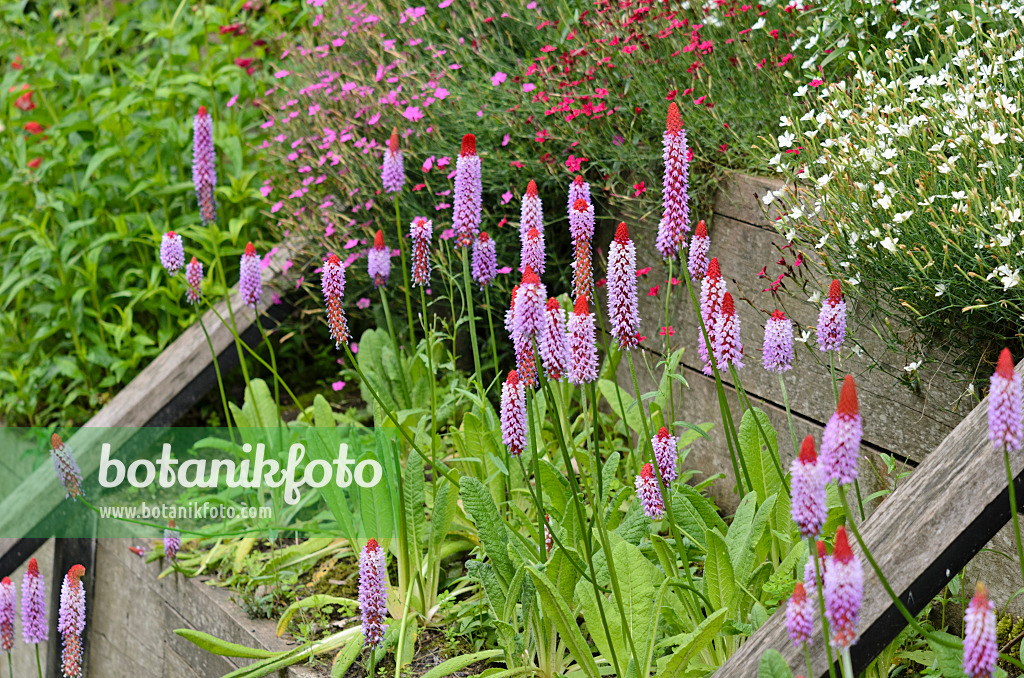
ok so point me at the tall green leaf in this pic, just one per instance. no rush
(719, 577)
(557, 610)
(759, 457)
(480, 507)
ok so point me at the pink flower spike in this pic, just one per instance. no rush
(649, 492)
(1004, 405)
(808, 508)
(981, 648)
(712, 291)
(840, 442)
(204, 165)
(250, 285)
(531, 253)
(777, 353)
(393, 169)
(675, 220)
(333, 286)
(582, 344)
(485, 261)
(71, 621)
(8, 604)
(622, 295)
(468, 207)
(378, 261)
(373, 593)
(531, 212)
(665, 453)
(844, 590)
(172, 541)
(728, 347)
(172, 252)
(420, 231)
(832, 319)
(68, 472)
(697, 259)
(800, 616)
(194, 278)
(554, 347)
(513, 414)
(34, 624)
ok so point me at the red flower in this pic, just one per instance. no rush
(574, 163)
(233, 29)
(670, 331)
(33, 127)
(16, 64)
(24, 102)
(243, 63)
(34, 162)
(671, 94)
(639, 189)
(654, 291)
(643, 271)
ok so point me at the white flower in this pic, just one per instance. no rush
(940, 289)
(912, 367)
(1009, 278)
(889, 243)
(786, 140)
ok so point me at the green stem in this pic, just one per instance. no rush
(402, 379)
(273, 369)
(220, 380)
(807, 656)
(789, 415)
(490, 327)
(405, 277)
(39, 663)
(847, 663)
(1013, 510)
(472, 321)
(745, 400)
(820, 586)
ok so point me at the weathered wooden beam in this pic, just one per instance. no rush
(14, 552)
(921, 536)
(172, 382)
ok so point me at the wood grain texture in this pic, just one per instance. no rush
(142, 402)
(921, 536)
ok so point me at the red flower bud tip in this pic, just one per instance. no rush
(513, 378)
(663, 433)
(76, 571)
(34, 163)
(371, 544)
(807, 453)
(484, 237)
(171, 524)
(848, 398)
(835, 292)
(378, 240)
(529, 277)
(171, 233)
(202, 112)
(194, 261)
(714, 271)
(468, 145)
(1004, 368)
(553, 304)
(531, 189)
(582, 307)
(33, 127)
(55, 442)
(33, 568)
(250, 250)
(728, 308)
(578, 180)
(778, 315)
(822, 551)
(622, 233)
(393, 141)
(580, 205)
(675, 121)
(702, 229)
(841, 551)
(799, 592)
(647, 472)
(332, 259)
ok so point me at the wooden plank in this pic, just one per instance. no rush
(739, 197)
(921, 536)
(154, 397)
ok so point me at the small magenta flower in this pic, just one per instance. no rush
(712, 291)
(172, 252)
(513, 414)
(981, 648)
(172, 540)
(71, 621)
(485, 260)
(531, 253)
(332, 283)
(194, 278)
(622, 301)
(554, 345)
(581, 228)
(649, 492)
(777, 354)
(34, 625)
(675, 219)
(7, 606)
(378, 261)
(421, 231)
(531, 299)
(808, 491)
(844, 589)
(468, 194)
(250, 286)
(728, 347)
(840, 442)
(1004, 405)
(68, 472)
(204, 165)
(531, 212)
(578, 190)
(832, 319)
(373, 594)
(666, 454)
(393, 170)
(800, 616)
(697, 259)
(582, 344)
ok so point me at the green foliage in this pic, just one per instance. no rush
(84, 302)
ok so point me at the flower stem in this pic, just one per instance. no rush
(405, 277)
(847, 663)
(820, 586)
(1013, 510)
(490, 326)
(39, 664)
(220, 379)
(789, 414)
(472, 322)
(394, 343)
